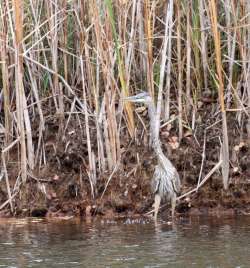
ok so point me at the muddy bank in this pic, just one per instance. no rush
(62, 187)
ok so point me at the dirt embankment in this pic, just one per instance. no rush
(62, 187)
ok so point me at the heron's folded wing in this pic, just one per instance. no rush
(155, 183)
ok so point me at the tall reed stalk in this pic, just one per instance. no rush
(18, 21)
(217, 44)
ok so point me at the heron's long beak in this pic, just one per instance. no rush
(130, 98)
(139, 98)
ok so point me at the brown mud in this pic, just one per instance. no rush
(62, 187)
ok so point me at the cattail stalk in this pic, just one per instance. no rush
(217, 44)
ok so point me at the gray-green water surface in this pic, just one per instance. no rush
(195, 242)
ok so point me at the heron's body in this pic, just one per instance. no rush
(165, 186)
(166, 181)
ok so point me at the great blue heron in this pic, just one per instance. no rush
(166, 181)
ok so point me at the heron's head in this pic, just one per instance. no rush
(142, 97)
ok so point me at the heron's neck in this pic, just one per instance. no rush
(154, 138)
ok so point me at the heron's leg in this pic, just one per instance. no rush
(173, 204)
(157, 205)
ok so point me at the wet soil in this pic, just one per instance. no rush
(62, 186)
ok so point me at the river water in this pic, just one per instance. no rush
(190, 242)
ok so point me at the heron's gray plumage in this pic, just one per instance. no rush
(166, 182)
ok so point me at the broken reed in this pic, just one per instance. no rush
(91, 54)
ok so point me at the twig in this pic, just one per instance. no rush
(37, 179)
(169, 121)
(11, 145)
(203, 157)
(8, 201)
(109, 179)
(7, 181)
(1, 175)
